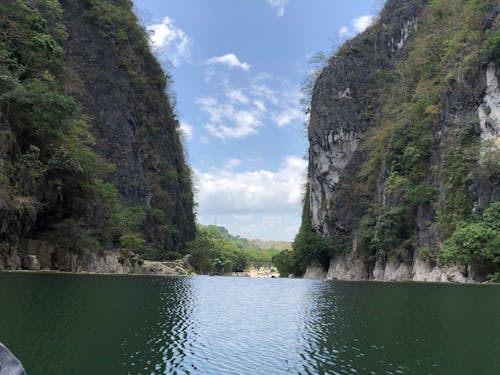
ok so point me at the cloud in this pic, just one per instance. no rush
(186, 130)
(237, 96)
(243, 120)
(235, 113)
(230, 60)
(280, 227)
(232, 163)
(279, 5)
(224, 191)
(359, 25)
(169, 40)
(288, 116)
(344, 32)
(363, 22)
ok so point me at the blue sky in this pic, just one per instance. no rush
(237, 68)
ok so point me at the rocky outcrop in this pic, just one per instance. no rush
(90, 148)
(355, 269)
(315, 271)
(361, 178)
(41, 256)
(122, 88)
(343, 101)
(259, 272)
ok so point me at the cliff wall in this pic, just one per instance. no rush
(90, 154)
(404, 144)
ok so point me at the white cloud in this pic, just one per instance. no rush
(244, 119)
(186, 130)
(226, 192)
(359, 25)
(279, 5)
(237, 96)
(363, 22)
(169, 40)
(232, 163)
(288, 116)
(344, 32)
(239, 112)
(230, 60)
(261, 106)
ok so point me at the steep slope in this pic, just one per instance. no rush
(404, 145)
(90, 153)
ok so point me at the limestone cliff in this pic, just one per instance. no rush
(404, 141)
(90, 153)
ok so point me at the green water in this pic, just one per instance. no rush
(79, 324)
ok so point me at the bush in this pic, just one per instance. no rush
(74, 236)
(284, 262)
(491, 47)
(476, 242)
(137, 244)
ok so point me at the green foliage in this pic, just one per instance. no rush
(476, 242)
(398, 174)
(48, 170)
(491, 47)
(284, 262)
(445, 49)
(215, 251)
(460, 158)
(73, 235)
(169, 176)
(137, 244)
(308, 247)
(50, 161)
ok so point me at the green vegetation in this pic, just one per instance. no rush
(446, 47)
(52, 183)
(216, 251)
(477, 242)
(491, 47)
(159, 138)
(308, 247)
(420, 157)
(51, 174)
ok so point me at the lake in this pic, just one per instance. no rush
(86, 324)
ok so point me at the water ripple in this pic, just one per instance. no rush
(212, 325)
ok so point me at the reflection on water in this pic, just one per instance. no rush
(65, 324)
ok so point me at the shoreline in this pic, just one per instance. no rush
(85, 273)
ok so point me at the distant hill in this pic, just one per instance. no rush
(244, 243)
(278, 245)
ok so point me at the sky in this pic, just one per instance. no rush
(237, 68)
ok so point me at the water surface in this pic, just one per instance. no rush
(80, 324)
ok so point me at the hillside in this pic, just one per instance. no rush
(404, 161)
(90, 152)
(216, 251)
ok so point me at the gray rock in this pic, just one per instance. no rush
(315, 271)
(9, 364)
(345, 101)
(32, 263)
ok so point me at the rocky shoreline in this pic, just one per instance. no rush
(353, 268)
(39, 256)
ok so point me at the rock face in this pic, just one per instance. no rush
(342, 268)
(315, 271)
(121, 88)
(90, 151)
(41, 256)
(343, 101)
(361, 178)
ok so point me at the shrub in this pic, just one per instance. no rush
(491, 47)
(476, 242)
